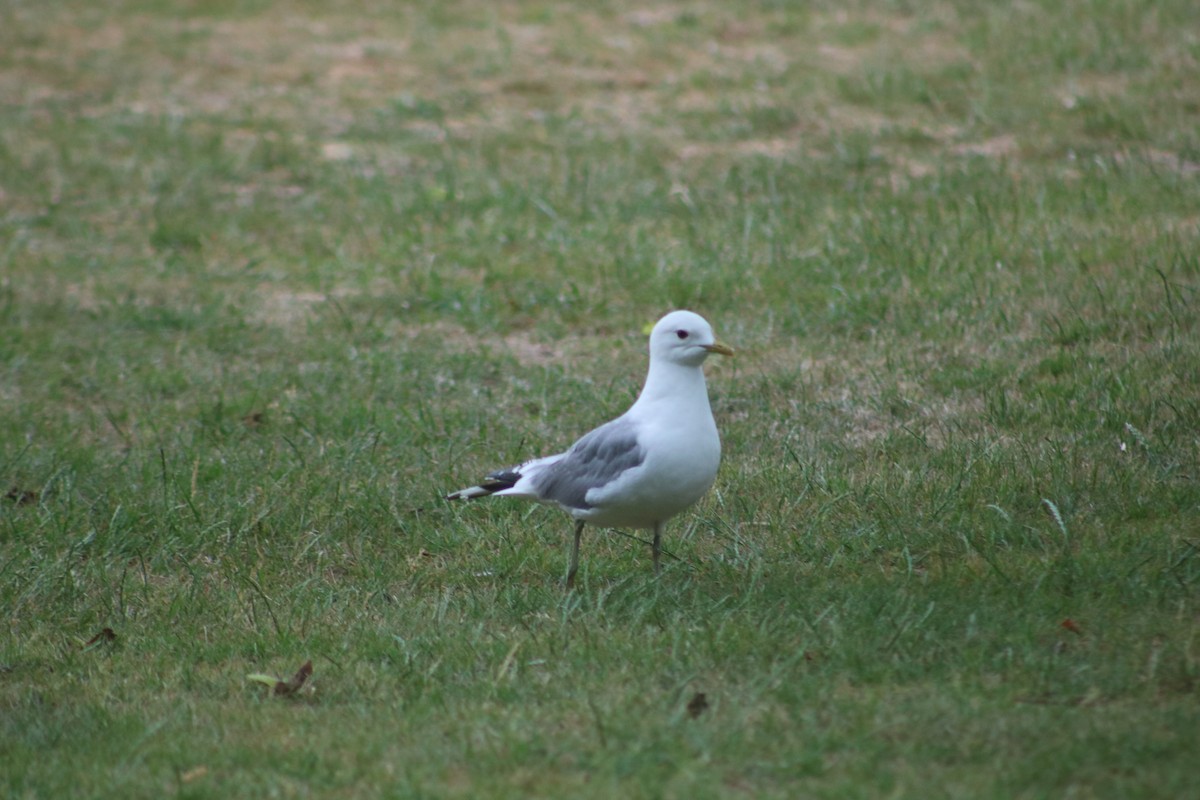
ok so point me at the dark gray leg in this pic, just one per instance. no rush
(656, 547)
(574, 565)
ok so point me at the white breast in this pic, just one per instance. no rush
(683, 452)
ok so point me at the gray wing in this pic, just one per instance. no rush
(597, 459)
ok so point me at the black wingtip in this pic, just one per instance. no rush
(495, 482)
(500, 480)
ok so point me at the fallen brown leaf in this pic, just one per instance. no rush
(297, 681)
(284, 688)
(105, 635)
(21, 497)
(1072, 626)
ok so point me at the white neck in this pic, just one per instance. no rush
(671, 384)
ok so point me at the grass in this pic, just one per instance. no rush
(275, 276)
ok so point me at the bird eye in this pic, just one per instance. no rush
(681, 334)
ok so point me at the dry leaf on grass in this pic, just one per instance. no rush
(21, 497)
(281, 687)
(193, 774)
(104, 636)
(1072, 626)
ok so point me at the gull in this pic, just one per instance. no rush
(645, 466)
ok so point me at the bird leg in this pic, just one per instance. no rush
(656, 547)
(574, 566)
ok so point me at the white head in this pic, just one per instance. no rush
(682, 337)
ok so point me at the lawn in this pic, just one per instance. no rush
(276, 276)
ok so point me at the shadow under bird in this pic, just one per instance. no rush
(645, 466)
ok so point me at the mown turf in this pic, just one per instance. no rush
(275, 276)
